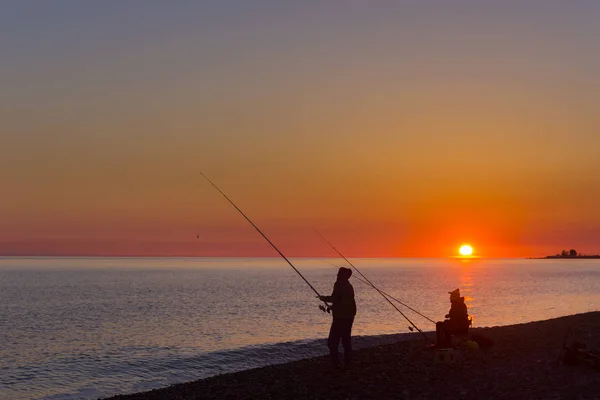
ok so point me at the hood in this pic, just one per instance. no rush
(344, 274)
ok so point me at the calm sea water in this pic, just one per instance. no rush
(83, 328)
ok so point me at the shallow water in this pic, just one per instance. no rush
(81, 328)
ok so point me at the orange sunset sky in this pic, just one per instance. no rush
(398, 129)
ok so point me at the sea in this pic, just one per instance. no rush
(88, 328)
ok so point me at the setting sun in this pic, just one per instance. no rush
(465, 250)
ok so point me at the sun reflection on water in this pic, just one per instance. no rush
(466, 283)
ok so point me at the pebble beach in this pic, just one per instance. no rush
(521, 364)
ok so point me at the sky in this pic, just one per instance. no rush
(395, 128)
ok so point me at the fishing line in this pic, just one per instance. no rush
(267, 239)
(372, 285)
(388, 295)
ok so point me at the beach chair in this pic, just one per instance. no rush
(460, 339)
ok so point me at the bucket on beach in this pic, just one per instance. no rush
(444, 356)
(472, 345)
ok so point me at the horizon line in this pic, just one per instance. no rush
(458, 258)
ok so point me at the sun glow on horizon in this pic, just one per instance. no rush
(465, 250)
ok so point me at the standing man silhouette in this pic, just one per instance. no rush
(344, 310)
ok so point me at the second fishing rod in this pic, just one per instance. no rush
(373, 286)
(388, 295)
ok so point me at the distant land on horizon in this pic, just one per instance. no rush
(571, 254)
(573, 257)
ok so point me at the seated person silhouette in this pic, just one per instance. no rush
(457, 321)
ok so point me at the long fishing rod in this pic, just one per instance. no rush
(372, 285)
(267, 239)
(388, 295)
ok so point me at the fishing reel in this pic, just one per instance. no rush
(325, 309)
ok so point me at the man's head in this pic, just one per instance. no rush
(454, 295)
(344, 273)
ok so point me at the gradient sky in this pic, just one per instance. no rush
(398, 128)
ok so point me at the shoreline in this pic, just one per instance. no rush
(522, 364)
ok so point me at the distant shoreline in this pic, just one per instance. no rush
(597, 256)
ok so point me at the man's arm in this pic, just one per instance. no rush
(334, 296)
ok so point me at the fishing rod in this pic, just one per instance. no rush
(388, 295)
(327, 307)
(373, 286)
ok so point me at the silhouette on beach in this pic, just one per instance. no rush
(457, 321)
(344, 310)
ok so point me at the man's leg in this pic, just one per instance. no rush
(447, 329)
(440, 334)
(334, 340)
(347, 341)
